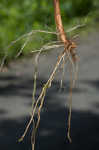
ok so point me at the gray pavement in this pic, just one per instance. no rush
(16, 95)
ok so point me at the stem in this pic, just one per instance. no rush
(59, 24)
(68, 45)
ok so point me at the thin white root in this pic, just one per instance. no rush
(46, 48)
(42, 95)
(70, 105)
(2, 63)
(76, 27)
(23, 46)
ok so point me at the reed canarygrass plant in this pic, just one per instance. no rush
(68, 54)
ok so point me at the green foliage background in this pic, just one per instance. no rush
(21, 16)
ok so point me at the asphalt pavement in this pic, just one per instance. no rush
(16, 87)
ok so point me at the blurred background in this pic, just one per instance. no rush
(20, 17)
